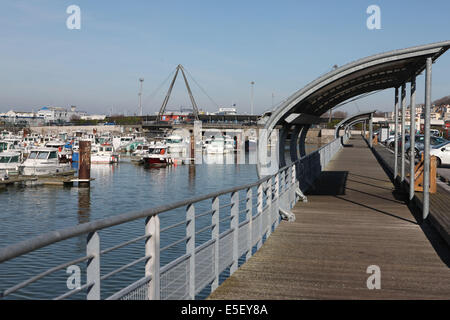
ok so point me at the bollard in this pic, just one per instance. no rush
(84, 167)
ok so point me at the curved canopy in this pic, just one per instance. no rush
(351, 120)
(377, 72)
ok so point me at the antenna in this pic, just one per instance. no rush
(141, 80)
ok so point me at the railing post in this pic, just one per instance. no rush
(93, 266)
(274, 207)
(292, 187)
(259, 212)
(215, 236)
(190, 247)
(270, 213)
(152, 265)
(235, 225)
(249, 206)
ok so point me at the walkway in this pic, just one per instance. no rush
(341, 231)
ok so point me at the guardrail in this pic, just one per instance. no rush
(210, 243)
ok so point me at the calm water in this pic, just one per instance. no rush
(29, 211)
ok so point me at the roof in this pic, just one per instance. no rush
(377, 72)
(352, 120)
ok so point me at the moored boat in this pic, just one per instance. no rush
(104, 154)
(10, 163)
(43, 161)
(157, 156)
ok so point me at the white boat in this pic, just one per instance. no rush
(229, 144)
(141, 150)
(124, 142)
(8, 145)
(64, 154)
(104, 154)
(176, 144)
(217, 145)
(10, 163)
(43, 161)
(157, 156)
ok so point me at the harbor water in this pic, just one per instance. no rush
(27, 212)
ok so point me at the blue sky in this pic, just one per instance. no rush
(281, 45)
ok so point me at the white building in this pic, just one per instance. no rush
(59, 114)
(93, 117)
(22, 117)
(227, 111)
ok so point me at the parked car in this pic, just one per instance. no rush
(435, 132)
(419, 144)
(442, 153)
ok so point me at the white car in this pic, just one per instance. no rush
(442, 153)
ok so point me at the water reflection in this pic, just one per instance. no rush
(84, 205)
(191, 176)
(236, 158)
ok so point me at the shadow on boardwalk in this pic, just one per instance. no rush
(354, 218)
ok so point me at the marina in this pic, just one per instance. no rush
(224, 154)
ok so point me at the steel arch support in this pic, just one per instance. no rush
(293, 148)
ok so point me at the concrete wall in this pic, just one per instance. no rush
(88, 129)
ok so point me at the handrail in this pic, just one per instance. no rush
(48, 238)
(275, 193)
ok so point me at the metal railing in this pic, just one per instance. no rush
(213, 241)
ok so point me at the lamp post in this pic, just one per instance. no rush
(141, 80)
(251, 102)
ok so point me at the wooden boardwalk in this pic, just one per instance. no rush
(439, 202)
(341, 231)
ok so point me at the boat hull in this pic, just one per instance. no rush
(155, 162)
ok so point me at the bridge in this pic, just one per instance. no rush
(340, 222)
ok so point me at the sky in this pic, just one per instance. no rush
(224, 45)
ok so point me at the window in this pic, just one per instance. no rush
(15, 159)
(53, 155)
(4, 159)
(33, 155)
(42, 155)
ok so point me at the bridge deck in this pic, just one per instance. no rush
(341, 231)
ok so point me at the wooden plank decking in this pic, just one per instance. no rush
(325, 253)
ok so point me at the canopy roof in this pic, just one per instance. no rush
(353, 119)
(377, 72)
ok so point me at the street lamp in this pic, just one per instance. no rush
(251, 105)
(141, 80)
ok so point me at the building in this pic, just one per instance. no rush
(59, 115)
(45, 115)
(100, 117)
(24, 118)
(227, 111)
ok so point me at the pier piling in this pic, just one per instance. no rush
(84, 169)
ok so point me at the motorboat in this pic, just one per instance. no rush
(217, 145)
(176, 144)
(8, 145)
(229, 144)
(10, 162)
(64, 150)
(104, 154)
(157, 156)
(43, 161)
(138, 154)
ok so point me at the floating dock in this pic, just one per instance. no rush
(64, 179)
